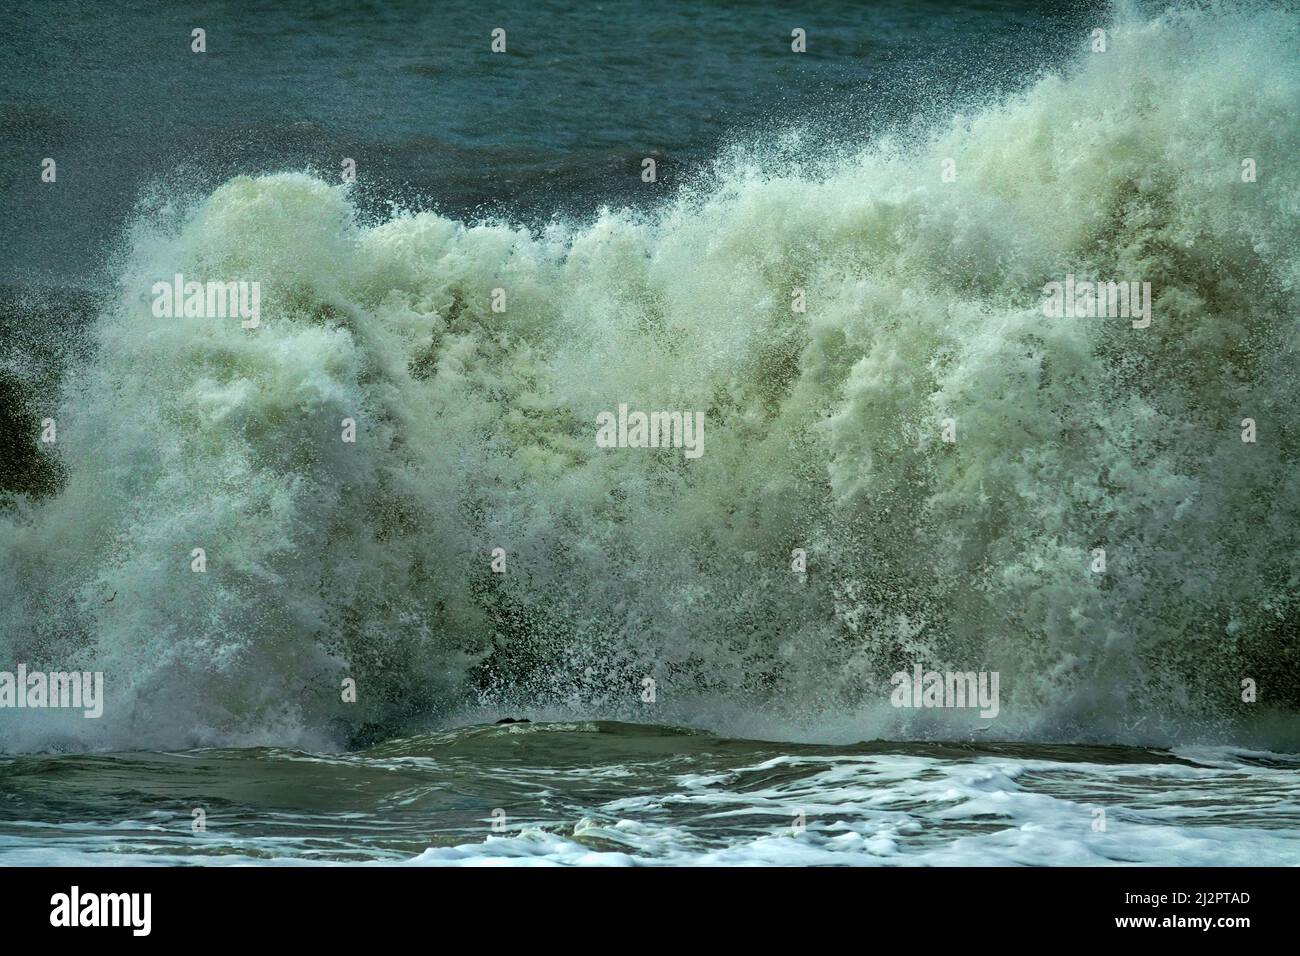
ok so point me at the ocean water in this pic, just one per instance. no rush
(693, 698)
(613, 794)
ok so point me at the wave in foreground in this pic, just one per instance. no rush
(584, 793)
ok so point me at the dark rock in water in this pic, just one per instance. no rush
(42, 332)
(514, 720)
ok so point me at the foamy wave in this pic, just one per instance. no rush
(475, 431)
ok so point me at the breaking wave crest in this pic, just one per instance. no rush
(475, 431)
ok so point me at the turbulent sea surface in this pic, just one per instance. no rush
(621, 794)
(330, 562)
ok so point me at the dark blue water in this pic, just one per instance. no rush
(413, 93)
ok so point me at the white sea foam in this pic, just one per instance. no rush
(327, 559)
(893, 810)
(1223, 808)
